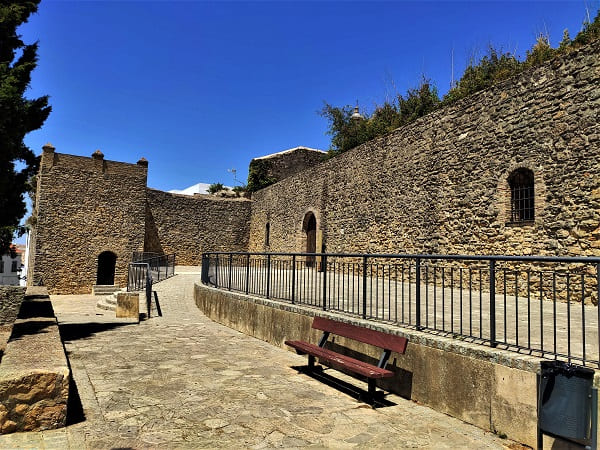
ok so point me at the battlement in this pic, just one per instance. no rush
(51, 160)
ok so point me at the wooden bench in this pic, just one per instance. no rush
(388, 342)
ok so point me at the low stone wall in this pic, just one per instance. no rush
(34, 372)
(493, 389)
(11, 298)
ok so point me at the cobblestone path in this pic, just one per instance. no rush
(183, 381)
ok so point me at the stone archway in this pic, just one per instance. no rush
(106, 268)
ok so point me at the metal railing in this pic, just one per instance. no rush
(544, 306)
(160, 267)
(146, 269)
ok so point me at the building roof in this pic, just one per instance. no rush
(198, 188)
(290, 151)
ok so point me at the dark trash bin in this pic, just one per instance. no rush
(565, 403)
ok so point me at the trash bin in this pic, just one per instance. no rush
(565, 402)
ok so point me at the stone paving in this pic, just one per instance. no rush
(183, 381)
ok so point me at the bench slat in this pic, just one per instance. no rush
(373, 337)
(337, 359)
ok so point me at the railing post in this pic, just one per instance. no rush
(493, 342)
(148, 290)
(247, 273)
(204, 273)
(230, 265)
(418, 292)
(364, 287)
(268, 276)
(324, 270)
(216, 270)
(293, 279)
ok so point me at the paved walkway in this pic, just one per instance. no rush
(183, 381)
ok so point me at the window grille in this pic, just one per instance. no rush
(14, 266)
(522, 207)
(1, 266)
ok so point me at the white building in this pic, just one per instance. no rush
(10, 268)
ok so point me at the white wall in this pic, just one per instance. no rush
(8, 276)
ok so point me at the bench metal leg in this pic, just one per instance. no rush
(372, 387)
(311, 362)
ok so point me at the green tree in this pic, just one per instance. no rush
(541, 51)
(566, 41)
(492, 68)
(241, 191)
(418, 102)
(215, 187)
(18, 116)
(590, 32)
(347, 130)
(258, 175)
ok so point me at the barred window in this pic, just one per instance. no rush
(522, 208)
(13, 267)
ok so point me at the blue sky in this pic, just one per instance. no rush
(202, 87)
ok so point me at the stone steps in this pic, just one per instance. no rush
(106, 289)
(108, 302)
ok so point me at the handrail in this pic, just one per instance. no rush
(541, 305)
(528, 258)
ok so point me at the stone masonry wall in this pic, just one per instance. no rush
(289, 162)
(11, 298)
(85, 206)
(188, 225)
(439, 185)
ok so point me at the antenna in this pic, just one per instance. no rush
(452, 67)
(587, 12)
(233, 171)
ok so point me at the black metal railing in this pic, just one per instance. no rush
(147, 269)
(544, 306)
(160, 267)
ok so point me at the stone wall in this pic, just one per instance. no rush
(85, 206)
(34, 372)
(289, 162)
(188, 225)
(440, 184)
(11, 298)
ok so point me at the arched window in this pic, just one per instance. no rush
(106, 268)
(522, 207)
(267, 234)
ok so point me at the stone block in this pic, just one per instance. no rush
(128, 305)
(514, 403)
(34, 373)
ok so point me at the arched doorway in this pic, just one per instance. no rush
(106, 268)
(310, 228)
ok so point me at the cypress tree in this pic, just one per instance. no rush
(18, 116)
